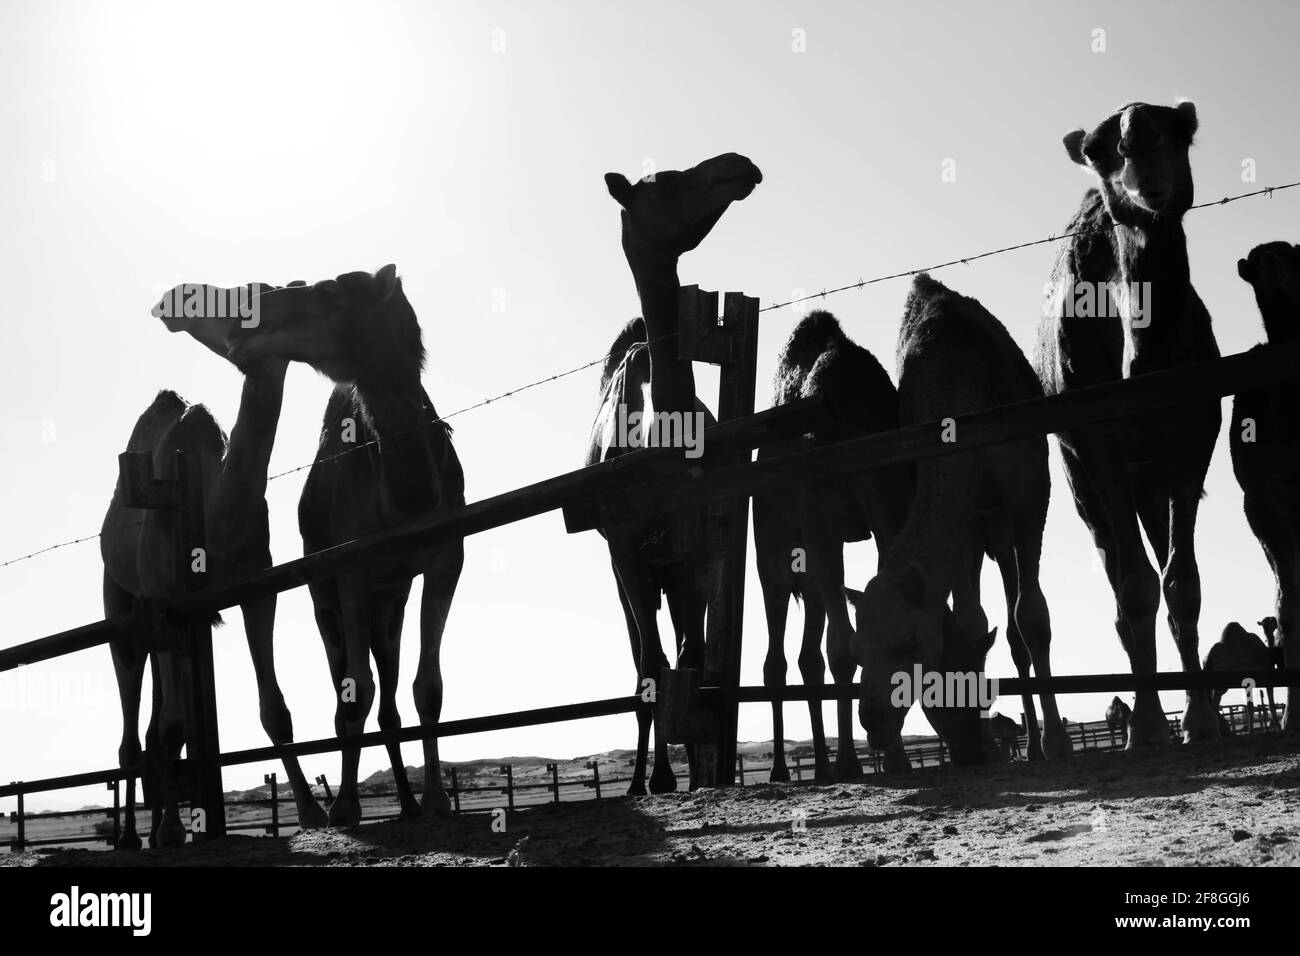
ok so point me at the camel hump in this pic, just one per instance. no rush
(164, 412)
(195, 431)
(819, 359)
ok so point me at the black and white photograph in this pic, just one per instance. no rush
(700, 434)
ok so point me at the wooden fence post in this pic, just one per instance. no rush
(203, 743)
(19, 817)
(116, 813)
(275, 804)
(455, 790)
(732, 344)
(326, 785)
(594, 767)
(509, 771)
(740, 768)
(798, 769)
(555, 780)
(193, 658)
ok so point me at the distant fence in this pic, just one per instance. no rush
(1088, 736)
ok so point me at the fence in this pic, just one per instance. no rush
(638, 482)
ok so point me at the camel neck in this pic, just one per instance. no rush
(1157, 277)
(672, 380)
(1280, 318)
(397, 416)
(248, 453)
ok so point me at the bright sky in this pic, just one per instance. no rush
(147, 144)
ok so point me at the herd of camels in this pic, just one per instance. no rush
(934, 522)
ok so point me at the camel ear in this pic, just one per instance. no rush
(913, 585)
(1073, 141)
(619, 188)
(852, 595)
(1187, 110)
(1244, 270)
(386, 282)
(993, 637)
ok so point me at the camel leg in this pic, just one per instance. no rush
(826, 568)
(641, 590)
(812, 670)
(776, 578)
(1182, 588)
(259, 627)
(1020, 656)
(173, 675)
(1272, 710)
(1034, 623)
(644, 714)
(1287, 569)
(1103, 500)
(386, 644)
(686, 586)
(435, 603)
(356, 692)
(128, 667)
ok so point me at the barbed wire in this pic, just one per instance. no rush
(860, 284)
(967, 260)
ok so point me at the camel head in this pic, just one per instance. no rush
(669, 214)
(1139, 155)
(1273, 271)
(1269, 624)
(208, 312)
(896, 629)
(346, 328)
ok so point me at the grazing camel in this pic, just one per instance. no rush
(809, 525)
(662, 219)
(1007, 734)
(1124, 305)
(139, 559)
(1265, 444)
(1239, 650)
(384, 459)
(954, 357)
(1118, 715)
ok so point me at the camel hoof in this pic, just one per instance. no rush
(1147, 730)
(312, 816)
(345, 811)
(129, 841)
(171, 832)
(435, 804)
(663, 782)
(637, 788)
(1200, 722)
(847, 766)
(780, 774)
(1057, 745)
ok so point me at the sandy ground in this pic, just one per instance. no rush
(1234, 802)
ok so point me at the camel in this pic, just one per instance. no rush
(818, 519)
(1239, 650)
(953, 356)
(384, 459)
(1118, 715)
(1268, 465)
(1007, 734)
(663, 218)
(139, 562)
(1128, 260)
